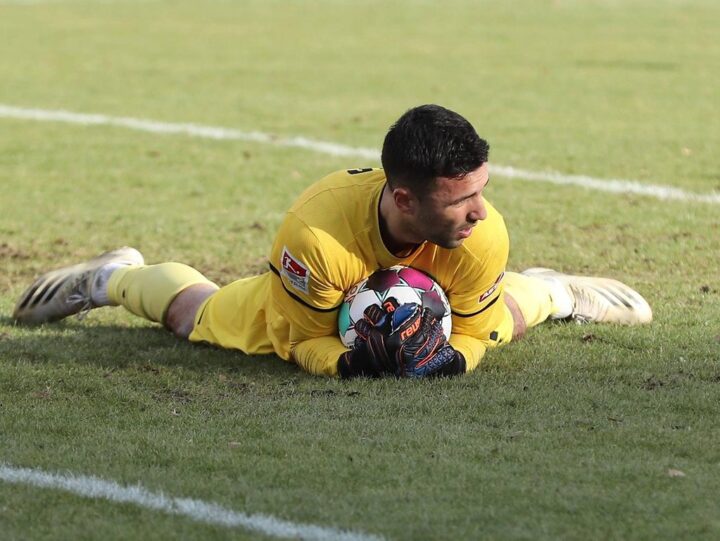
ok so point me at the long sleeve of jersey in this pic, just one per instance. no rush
(307, 292)
(471, 348)
(319, 355)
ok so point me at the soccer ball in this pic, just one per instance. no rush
(405, 284)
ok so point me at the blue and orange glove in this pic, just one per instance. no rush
(419, 344)
(400, 340)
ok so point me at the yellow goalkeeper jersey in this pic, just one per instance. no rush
(330, 240)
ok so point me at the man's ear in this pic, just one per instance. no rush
(405, 200)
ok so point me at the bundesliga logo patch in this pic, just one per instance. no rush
(296, 273)
(492, 289)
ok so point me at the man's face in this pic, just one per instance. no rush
(447, 215)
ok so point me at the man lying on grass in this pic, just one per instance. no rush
(425, 209)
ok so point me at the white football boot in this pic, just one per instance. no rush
(67, 291)
(591, 299)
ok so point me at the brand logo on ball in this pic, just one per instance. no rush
(351, 294)
(296, 272)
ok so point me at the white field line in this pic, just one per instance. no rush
(617, 186)
(198, 510)
(193, 130)
(612, 185)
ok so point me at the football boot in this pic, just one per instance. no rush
(596, 299)
(67, 291)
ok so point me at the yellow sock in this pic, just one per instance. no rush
(532, 296)
(147, 291)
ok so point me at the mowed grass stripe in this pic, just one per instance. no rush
(198, 510)
(617, 186)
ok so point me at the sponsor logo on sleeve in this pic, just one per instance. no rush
(295, 271)
(492, 288)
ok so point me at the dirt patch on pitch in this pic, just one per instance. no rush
(7, 251)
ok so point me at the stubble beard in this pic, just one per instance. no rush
(446, 240)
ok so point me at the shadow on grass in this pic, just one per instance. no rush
(111, 346)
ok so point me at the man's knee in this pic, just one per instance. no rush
(180, 317)
(519, 324)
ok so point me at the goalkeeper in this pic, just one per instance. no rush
(425, 208)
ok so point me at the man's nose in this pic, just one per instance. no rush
(479, 212)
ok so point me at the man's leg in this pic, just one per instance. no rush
(180, 317)
(529, 301)
(118, 278)
(167, 293)
(519, 323)
(539, 294)
(173, 294)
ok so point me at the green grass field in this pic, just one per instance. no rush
(576, 432)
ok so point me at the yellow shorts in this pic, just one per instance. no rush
(234, 317)
(532, 297)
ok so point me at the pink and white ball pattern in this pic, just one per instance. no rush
(406, 284)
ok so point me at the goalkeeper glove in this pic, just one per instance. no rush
(417, 337)
(370, 356)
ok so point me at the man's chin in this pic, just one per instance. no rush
(449, 244)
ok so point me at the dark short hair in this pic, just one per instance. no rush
(427, 142)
